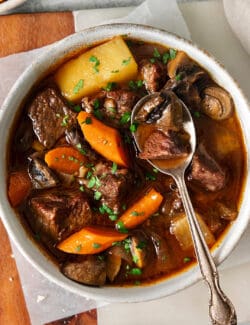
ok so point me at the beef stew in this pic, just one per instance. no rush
(89, 200)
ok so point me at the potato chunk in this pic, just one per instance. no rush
(109, 62)
(180, 228)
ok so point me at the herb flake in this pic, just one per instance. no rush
(78, 86)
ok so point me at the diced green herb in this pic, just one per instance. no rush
(186, 259)
(65, 120)
(155, 170)
(78, 248)
(172, 53)
(121, 228)
(126, 61)
(129, 42)
(89, 174)
(96, 62)
(135, 259)
(92, 182)
(197, 114)
(98, 114)
(125, 118)
(77, 108)
(97, 195)
(114, 168)
(127, 244)
(111, 109)
(78, 86)
(96, 103)
(81, 188)
(96, 245)
(150, 177)
(165, 57)
(81, 149)
(135, 271)
(152, 60)
(101, 257)
(178, 77)
(156, 53)
(133, 127)
(113, 217)
(135, 84)
(136, 213)
(110, 86)
(87, 120)
(124, 207)
(71, 158)
(58, 115)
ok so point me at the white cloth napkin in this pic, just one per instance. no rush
(238, 16)
(46, 301)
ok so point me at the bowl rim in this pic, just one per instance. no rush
(10, 4)
(12, 102)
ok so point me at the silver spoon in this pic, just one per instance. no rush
(221, 310)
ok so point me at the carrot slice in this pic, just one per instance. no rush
(105, 140)
(91, 240)
(19, 187)
(140, 210)
(67, 160)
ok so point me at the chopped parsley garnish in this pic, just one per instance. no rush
(111, 109)
(81, 188)
(135, 271)
(78, 86)
(81, 149)
(78, 248)
(150, 177)
(94, 181)
(77, 108)
(96, 245)
(97, 195)
(110, 86)
(165, 57)
(127, 244)
(155, 170)
(197, 114)
(114, 168)
(133, 127)
(87, 120)
(98, 114)
(124, 207)
(172, 53)
(156, 53)
(96, 62)
(136, 213)
(186, 259)
(135, 259)
(127, 138)
(178, 77)
(135, 84)
(152, 60)
(65, 120)
(121, 228)
(101, 257)
(113, 217)
(126, 61)
(105, 209)
(125, 118)
(96, 103)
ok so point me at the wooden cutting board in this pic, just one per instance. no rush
(20, 33)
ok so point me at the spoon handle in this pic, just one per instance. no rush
(221, 310)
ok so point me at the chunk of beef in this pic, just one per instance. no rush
(112, 185)
(40, 174)
(86, 269)
(161, 145)
(57, 214)
(50, 116)
(153, 74)
(111, 105)
(206, 171)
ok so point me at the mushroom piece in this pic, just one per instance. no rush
(40, 174)
(217, 103)
(139, 248)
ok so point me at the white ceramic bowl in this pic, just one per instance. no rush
(7, 114)
(9, 4)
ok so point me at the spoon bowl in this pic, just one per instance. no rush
(221, 310)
